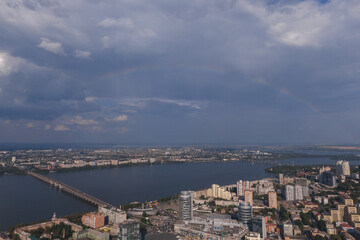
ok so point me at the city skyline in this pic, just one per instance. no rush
(180, 72)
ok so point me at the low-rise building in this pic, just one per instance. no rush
(93, 219)
(113, 215)
(91, 234)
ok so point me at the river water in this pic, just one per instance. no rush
(24, 199)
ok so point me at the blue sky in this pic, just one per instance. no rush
(228, 71)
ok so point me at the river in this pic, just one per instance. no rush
(26, 199)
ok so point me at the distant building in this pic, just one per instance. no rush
(185, 205)
(13, 160)
(249, 197)
(129, 230)
(288, 229)
(93, 220)
(245, 213)
(305, 191)
(298, 193)
(218, 192)
(328, 178)
(281, 178)
(252, 236)
(258, 225)
(302, 182)
(342, 168)
(272, 196)
(289, 193)
(239, 188)
(91, 234)
(113, 215)
(355, 176)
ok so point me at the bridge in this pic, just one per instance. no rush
(71, 190)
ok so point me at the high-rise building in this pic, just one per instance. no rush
(247, 185)
(272, 197)
(185, 205)
(281, 178)
(305, 191)
(215, 188)
(245, 212)
(289, 193)
(129, 230)
(328, 178)
(219, 192)
(342, 168)
(302, 182)
(298, 193)
(93, 219)
(249, 197)
(13, 160)
(258, 225)
(239, 188)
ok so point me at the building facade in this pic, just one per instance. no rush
(272, 196)
(258, 225)
(185, 205)
(129, 230)
(289, 193)
(249, 197)
(342, 168)
(245, 213)
(239, 188)
(93, 219)
(114, 215)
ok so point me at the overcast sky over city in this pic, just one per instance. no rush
(180, 71)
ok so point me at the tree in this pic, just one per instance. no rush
(300, 225)
(284, 214)
(212, 203)
(318, 237)
(322, 225)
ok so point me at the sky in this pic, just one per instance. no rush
(180, 71)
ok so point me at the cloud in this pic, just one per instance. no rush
(30, 125)
(120, 22)
(120, 118)
(53, 47)
(80, 121)
(10, 64)
(83, 54)
(198, 70)
(61, 128)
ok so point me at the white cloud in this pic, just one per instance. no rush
(80, 121)
(61, 128)
(120, 22)
(89, 99)
(120, 118)
(9, 64)
(83, 54)
(54, 47)
(30, 125)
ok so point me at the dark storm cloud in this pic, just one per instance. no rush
(183, 71)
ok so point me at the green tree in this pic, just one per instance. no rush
(300, 225)
(284, 214)
(322, 225)
(318, 237)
